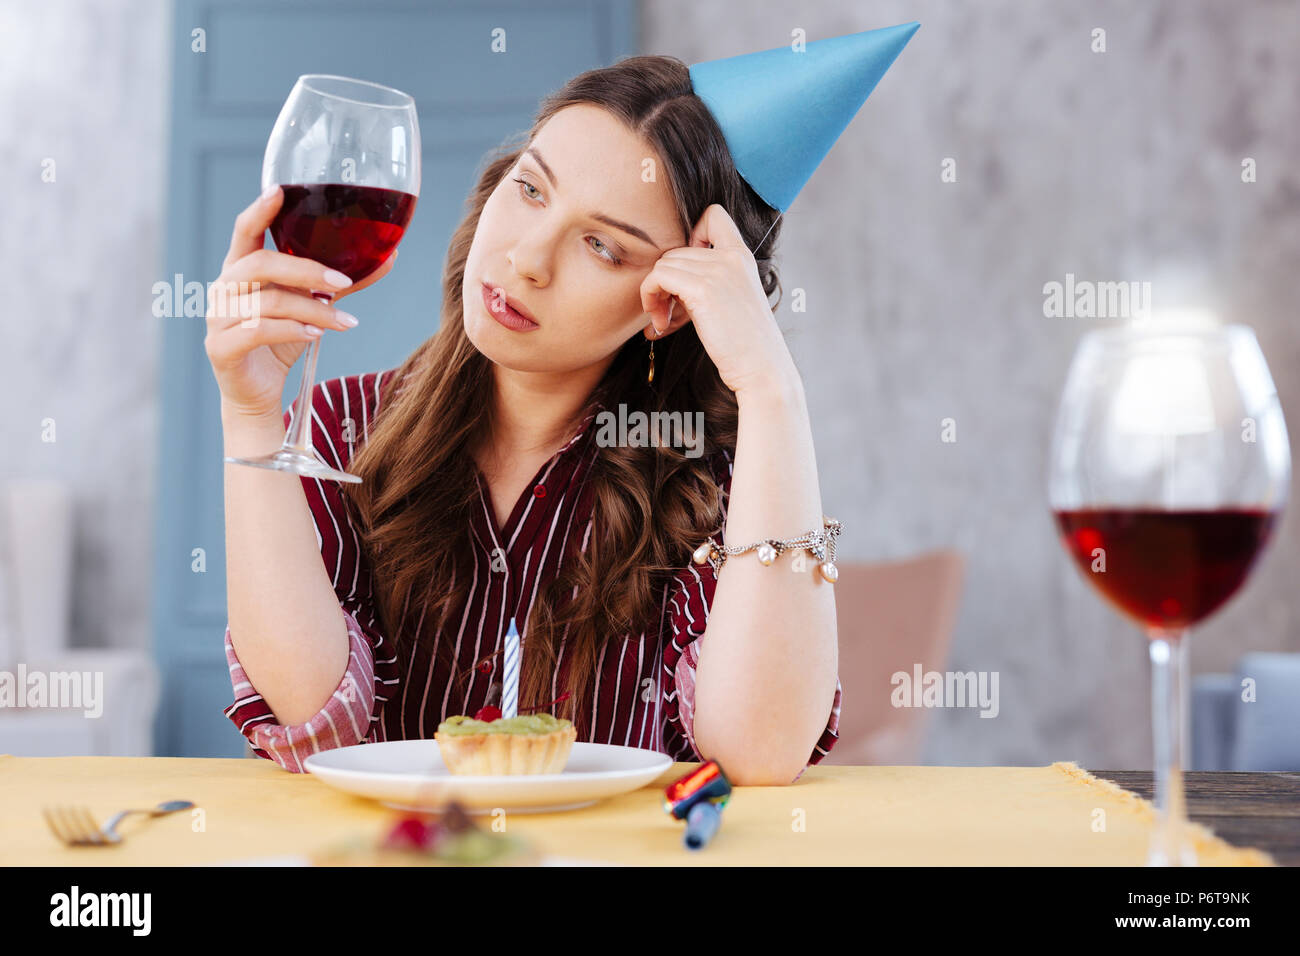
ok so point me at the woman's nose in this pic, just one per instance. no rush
(527, 266)
(531, 256)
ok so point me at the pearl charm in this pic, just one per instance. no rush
(819, 543)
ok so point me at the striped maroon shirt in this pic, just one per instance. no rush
(644, 693)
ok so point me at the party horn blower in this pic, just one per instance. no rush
(698, 798)
(702, 823)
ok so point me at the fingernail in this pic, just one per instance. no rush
(336, 278)
(269, 191)
(346, 318)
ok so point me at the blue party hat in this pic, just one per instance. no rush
(781, 110)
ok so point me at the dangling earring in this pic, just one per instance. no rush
(650, 377)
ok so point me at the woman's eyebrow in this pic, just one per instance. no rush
(626, 227)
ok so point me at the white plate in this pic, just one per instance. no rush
(410, 775)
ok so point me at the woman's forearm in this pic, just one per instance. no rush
(768, 664)
(285, 621)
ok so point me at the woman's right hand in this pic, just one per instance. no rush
(251, 357)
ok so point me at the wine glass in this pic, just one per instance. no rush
(1169, 469)
(347, 155)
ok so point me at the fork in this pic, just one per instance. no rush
(75, 826)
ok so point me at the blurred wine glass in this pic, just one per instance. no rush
(1168, 473)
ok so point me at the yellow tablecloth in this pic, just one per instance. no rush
(831, 816)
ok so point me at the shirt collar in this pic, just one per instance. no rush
(594, 406)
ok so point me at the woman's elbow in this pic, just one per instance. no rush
(758, 770)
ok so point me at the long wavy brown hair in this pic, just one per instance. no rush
(652, 505)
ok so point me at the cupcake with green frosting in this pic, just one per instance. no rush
(525, 744)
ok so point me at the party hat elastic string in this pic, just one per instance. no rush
(768, 233)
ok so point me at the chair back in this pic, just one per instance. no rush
(892, 616)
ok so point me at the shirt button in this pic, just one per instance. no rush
(539, 491)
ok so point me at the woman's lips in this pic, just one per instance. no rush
(495, 304)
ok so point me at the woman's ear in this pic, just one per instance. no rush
(677, 317)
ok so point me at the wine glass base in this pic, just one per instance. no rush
(292, 461)
(1158, 855)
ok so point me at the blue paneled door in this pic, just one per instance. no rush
(233, 63)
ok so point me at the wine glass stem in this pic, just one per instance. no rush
(1169, 843)
(299, 436)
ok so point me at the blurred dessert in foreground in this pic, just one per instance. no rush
(427, 839)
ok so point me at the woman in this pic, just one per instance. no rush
(615, 241)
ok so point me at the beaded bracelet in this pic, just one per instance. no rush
(821, 544)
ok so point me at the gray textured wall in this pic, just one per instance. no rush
(1123, 165)
(1113, 166)
(85, 83)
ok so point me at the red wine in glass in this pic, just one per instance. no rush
(345, 154)
(1166, 569)
(346, 227)
(1169, 469)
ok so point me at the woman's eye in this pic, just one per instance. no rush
(607, 254)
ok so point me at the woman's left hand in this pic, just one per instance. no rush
(714, 279)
